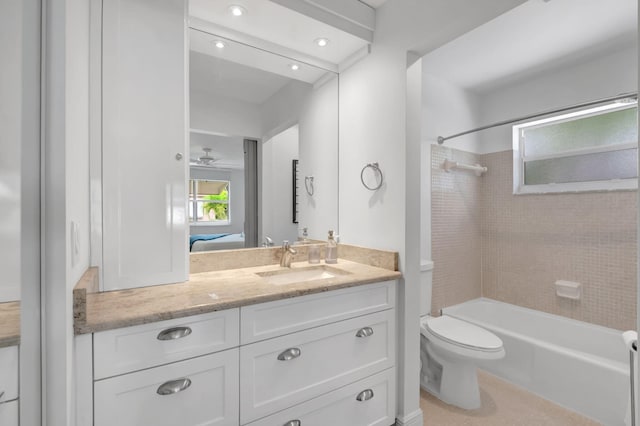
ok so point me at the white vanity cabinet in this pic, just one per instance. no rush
(320, 359)
(9, 386)
(144, 143)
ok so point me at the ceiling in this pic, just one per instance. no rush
(277, 24)
(244, 73)
(534, 37)
(221, 78)
(252, 57)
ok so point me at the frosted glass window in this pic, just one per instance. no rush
(589, 150)
(610, 128)
(622, 164)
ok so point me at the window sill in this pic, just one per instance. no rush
(210, 223)
(577, 187)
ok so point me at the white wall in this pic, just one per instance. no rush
(10, 138)
(226, 116)
(605, 76)
(66, 180)
(282, 110)
(236, 201)
(373, 124)
(448, 109)
(277, 189)
(319, 158)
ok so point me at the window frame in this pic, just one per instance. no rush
(193, 202)
(519, 159)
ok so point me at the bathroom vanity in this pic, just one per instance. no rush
(242, 346)
(237, 339)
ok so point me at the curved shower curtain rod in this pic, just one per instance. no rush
(633, 95)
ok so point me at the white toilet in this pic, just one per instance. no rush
(449, 350)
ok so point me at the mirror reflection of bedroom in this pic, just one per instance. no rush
(254, 118)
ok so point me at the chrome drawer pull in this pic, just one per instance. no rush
(174, 333)
(293, 423)
(174, 386)
(290, 354)
(364, 332)
(365, 395)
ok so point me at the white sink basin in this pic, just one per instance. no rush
(299, 275)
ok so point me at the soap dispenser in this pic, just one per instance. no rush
(331, 255)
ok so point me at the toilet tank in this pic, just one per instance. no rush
(426, 279)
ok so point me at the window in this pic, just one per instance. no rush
(209, 202)
(589, 150)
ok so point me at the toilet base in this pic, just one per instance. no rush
(453, 380)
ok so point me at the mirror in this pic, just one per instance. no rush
(10, 134)
(267, 125)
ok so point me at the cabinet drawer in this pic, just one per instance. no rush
(133, 348)
(278, 373)
(8, 374)
(272, 319)
(9, 413)
(210, 399)
(368, 402)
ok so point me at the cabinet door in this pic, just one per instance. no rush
(144, 142)
(201, 391)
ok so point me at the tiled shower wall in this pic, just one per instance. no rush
(527, 242)
(455, 230)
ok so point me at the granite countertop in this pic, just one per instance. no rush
(9, 324)
(213, 291)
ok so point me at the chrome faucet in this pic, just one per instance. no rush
(287, 254)
(268, 242)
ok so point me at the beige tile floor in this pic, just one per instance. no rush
(502, 404)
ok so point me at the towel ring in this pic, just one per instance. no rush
(308, 183)
(376, 169)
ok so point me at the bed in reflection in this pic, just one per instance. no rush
(208, 242)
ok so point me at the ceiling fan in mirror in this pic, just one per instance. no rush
(206, 159)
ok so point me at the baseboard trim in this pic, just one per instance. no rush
(412, 419)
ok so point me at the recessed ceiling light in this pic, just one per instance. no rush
(237, 10)
(294, 67)
(219, 44)
(322, 42)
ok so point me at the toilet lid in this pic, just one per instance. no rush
(463, 333)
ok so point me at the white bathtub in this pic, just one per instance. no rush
(581, 366)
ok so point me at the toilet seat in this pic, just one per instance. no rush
(460, 333)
